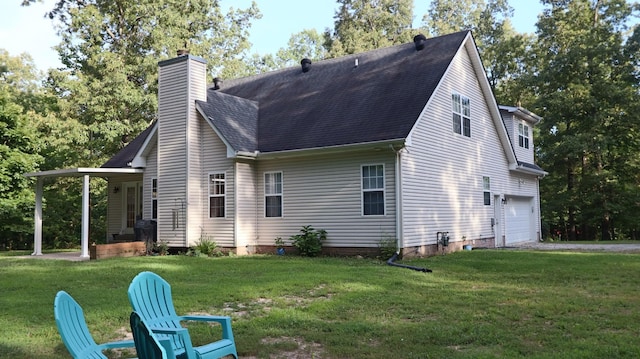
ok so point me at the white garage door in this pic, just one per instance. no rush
(518, 218)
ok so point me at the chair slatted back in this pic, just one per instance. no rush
(150, 297)
(73, 328)
(147, 344)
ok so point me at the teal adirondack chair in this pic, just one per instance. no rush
(148, 345)
(150, 297)
(75, 333)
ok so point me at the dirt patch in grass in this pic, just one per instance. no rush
(292, 348)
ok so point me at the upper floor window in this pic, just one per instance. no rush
(273, 194)
(461, 114)
(217, 195)
(523, 135)
(373, 190)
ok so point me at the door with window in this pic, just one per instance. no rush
(132, 203)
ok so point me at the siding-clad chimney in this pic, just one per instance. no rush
(181, 81)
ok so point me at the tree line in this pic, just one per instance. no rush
(579, 71)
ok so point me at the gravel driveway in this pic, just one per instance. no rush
(595, 247)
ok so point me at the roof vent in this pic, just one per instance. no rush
(419, 41)
(306, 64)
(217, 82)
(183, 52)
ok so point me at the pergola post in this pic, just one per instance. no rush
(37, 231)
(84, 237)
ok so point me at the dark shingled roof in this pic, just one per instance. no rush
(235, 118)
(336, 102)
(123, 158)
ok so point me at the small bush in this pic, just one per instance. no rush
(161, 247)
(309, 241)
(205, 247)
(388, 247)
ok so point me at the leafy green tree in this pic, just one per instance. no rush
(305, 44)
(586, 86)
(110, 50)
(19, 147)
(363, 25)
(502, 48)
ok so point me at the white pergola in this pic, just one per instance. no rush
(85, 173)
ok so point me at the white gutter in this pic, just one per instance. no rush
(325, 149)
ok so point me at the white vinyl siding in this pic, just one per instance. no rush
(246, 199)
(517, 134)
(324, 191)
(443, 176)
(214, 160)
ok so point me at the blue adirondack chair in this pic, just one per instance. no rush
(150, 296)
(148, 345)
(74, 330)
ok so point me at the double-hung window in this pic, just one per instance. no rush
(523, 135)
(486, 186)
(217, 194)
(373, 190)
(273, 194)
(461, 114)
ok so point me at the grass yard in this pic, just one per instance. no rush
(475, 304)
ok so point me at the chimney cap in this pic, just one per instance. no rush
(419, 41)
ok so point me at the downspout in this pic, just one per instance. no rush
(391, 262)
(398, 179)
(399, 232)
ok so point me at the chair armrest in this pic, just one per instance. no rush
(224, 321)
(171, 331)
(117, 344)
(207, 318)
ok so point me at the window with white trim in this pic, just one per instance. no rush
(373, 190)
(461, 108)
(523, 135)
(486, 186)
(273, 194)
(217, 194)
(154, 198)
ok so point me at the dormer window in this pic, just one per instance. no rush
(461, 114)
(523, 135)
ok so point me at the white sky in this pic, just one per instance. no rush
(25, 29)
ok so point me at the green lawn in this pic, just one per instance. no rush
(475, 304)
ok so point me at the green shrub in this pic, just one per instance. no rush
(388, 247)
(309, 241)
(205, 247)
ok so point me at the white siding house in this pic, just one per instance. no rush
(404, 143)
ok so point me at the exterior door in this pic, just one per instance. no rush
(518, 220)
(132, 201)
